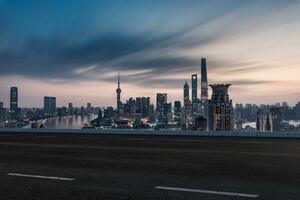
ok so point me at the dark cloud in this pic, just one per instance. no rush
(246, 69)
(56, 57)
(250, 82)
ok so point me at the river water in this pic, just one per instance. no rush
(253, 124)
(77, 122)
(68, 122)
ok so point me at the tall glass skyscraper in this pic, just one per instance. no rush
(186, 94)
(50, 105)
(194, 88)
(13, 99)
(204, 90)
(204, 87)
(161, 100)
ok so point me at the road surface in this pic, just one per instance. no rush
(74, 166)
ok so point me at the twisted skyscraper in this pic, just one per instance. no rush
(204, 89)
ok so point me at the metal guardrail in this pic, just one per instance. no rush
(152, 132)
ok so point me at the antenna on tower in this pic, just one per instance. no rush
(118, 79)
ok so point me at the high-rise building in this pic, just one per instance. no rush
(108, 113)
(142, 106)
(89, 107)
(167, 113)
(186, 117)
(297, 110)
(13, 99)
(220, 109)
(204, 86)
(2, 115)
(186, 94)
(177, 112)
(268, 119)
(70, 108)
(194, 88)
(284, 104)
(82, 111)
(119, 103)
(197, 109)
(204, 89)
(50, 105)
(152, 116)
(161, 99)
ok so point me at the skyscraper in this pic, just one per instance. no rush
(13, 99)
(89, 107)
(268, 119)
(2, 115)
(70, 108)
(50, 105)
(194, 88)
(204, 87)
(167, 112)
(142, 106)
(220, 109)
(186, 94)
(297, 110)
(119, 103)
(161, 99)
(186, 117)
(177, 112)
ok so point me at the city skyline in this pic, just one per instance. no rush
(75, 55)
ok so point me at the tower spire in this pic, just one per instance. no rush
(119, 103)
(118, 79)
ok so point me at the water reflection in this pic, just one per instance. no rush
(68, 122)
(291, 122)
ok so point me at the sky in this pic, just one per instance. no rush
(74, 49)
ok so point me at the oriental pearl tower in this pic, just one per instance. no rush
(118, 91)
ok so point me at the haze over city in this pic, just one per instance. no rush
(74, 50)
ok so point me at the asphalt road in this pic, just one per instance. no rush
(47, 166)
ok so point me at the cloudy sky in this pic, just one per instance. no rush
(74, 49)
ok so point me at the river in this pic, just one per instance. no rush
(68, 122)
(253, 124)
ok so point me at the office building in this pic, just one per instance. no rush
(297, 111)
(220, 109)
(167, 113)
(177, 112)
(2, 114)
(50, 105)
(152, 116)
(197, 109)
(204, 85)
(142, 106)
(186, 94)
(194, 88)
(70, 108)
(89, 107)
(204, 89)
(268, 119)
(13, 99)
(161, 99)
(108, 113)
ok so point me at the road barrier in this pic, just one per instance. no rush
(152, 132)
